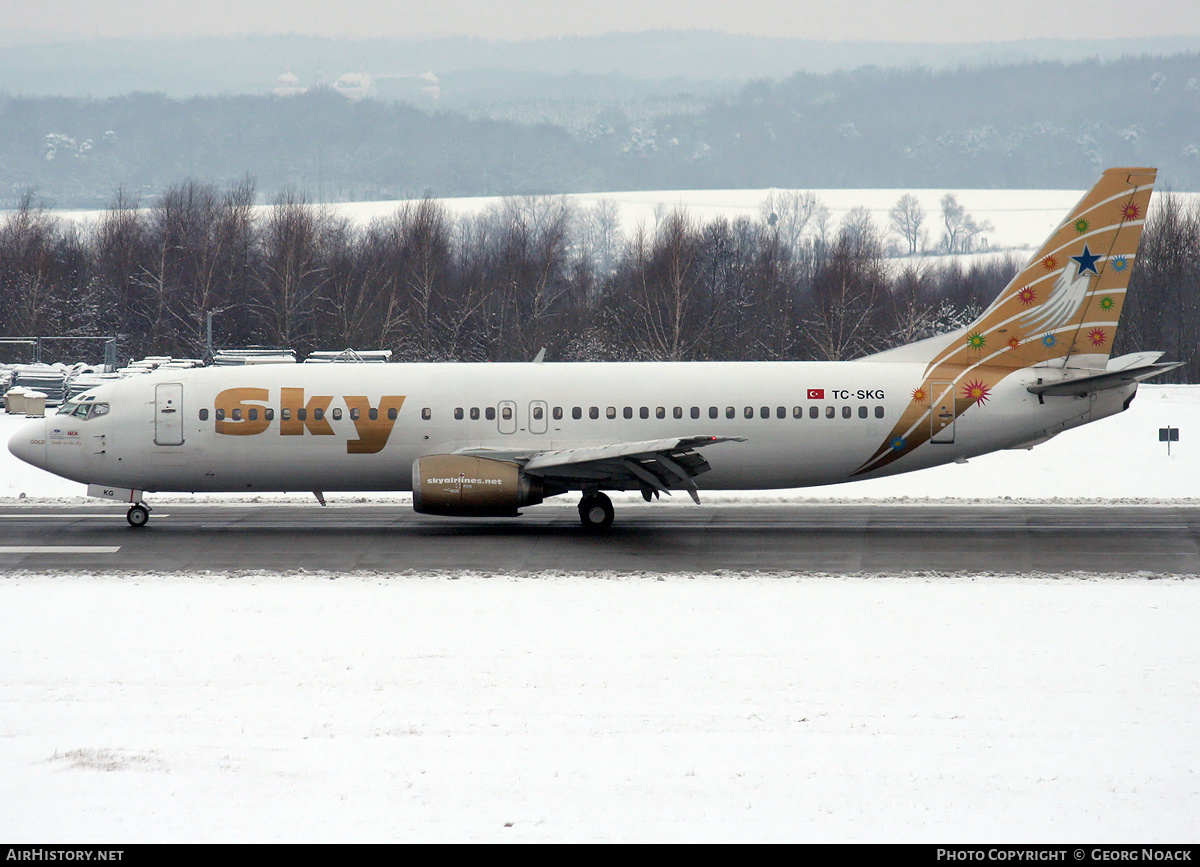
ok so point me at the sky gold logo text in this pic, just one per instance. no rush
(247, 412)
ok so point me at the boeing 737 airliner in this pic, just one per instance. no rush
(489, 439)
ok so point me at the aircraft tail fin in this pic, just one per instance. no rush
(1063, 307)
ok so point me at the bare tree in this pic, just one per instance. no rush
(906, 219)
(292, 272)
(27, 240)
(850, 302)
(788, 213)
(961, 227)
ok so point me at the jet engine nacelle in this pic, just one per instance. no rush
(467, 485)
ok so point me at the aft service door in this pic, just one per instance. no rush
(537, 417)
(168, 414)
(942, 430)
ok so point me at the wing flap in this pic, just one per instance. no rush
(653, 466)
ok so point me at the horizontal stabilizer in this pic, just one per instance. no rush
(1116, 376)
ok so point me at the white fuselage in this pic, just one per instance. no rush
(834, 417)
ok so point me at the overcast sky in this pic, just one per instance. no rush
(876, 20)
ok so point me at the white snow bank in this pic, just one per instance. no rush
(624, 708)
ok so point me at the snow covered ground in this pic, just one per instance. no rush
(598, 708)
(642, 707)
(1021, 217)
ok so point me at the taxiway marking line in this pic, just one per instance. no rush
(47, 516)
(59, 549)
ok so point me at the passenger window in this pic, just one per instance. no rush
(253, 415)
(318, 413)
(220, 414)
(730, 412)
(830, 412)
(627, 412)
(557, 413)
(474, 413)
(426, 413)
(677, 412)
(353, 414)
(781, 412)
(713, 412)
(203, 415)
(611, 412)
(270, 414)
(862, 412)
(797, 412)
(813, 412)
(748, 412)
(576, 412)
(302, 413)
(695, 412)
(458, 413)
(538, 412)
(506, 413)
(392, 414)
(284, 414)
(644, 412)
(490, 413)
(660, 412)
(764, 412)
(593, 412)
(846, 412)
(878, 412)
(373, 414)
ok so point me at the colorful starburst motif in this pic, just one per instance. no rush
(1049, 340)
(1097, 336)
(1049, 263)
(977, 391)
(1107, 303)
(1081, 225)
(1131, 211)
(919, 395)
(976, 340)
(1014, 342)
(897, 444)
(1120, 264)
(1027, 296)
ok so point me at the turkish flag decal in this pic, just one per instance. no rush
(816, 394)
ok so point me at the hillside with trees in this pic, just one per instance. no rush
(1049, 125)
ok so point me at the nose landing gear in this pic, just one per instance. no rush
(138, 515)
(596, 512)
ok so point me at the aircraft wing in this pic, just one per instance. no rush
(653, 466)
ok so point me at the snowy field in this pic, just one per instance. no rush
(642, 707)
(1021, 217)
(599, 708)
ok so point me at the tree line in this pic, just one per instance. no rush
(531, 273)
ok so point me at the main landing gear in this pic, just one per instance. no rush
(596, 512)
(138, 515)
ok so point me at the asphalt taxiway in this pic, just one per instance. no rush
(807, 537)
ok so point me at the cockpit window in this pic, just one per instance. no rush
(83, 411)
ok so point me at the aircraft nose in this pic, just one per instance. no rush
(29, 442)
